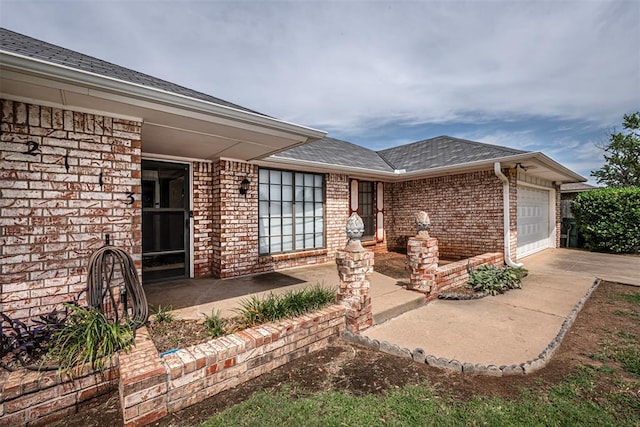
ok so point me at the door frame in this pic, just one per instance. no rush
(189, 165)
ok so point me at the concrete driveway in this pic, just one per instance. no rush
(514, 327)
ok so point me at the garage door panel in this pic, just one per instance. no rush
(533, 220)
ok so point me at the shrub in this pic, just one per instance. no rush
(255, 310)
(495, 280)
(609, 219)
(88, 337)
(163, 314)
(214, 324)
(26, 344)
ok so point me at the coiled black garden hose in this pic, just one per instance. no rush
(102, 266)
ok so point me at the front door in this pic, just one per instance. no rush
(165, 220)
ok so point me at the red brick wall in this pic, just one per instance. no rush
(465, 212)
(51, 219)
(202, 219)
(235, 223)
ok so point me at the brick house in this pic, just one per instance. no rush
(194, 186)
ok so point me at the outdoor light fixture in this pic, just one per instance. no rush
(244, 187)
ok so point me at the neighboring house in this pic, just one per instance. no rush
(568, 192)
(194, 186)
(570, 237)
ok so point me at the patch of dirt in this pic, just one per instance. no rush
(359, 370)
(181, 333)
(392, 264)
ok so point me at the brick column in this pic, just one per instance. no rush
(355, 266)
(422, 254)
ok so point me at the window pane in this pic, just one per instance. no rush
(276, 245)
(275, 229)
(275, 192)
(318, 194)
(299, 226)
(299, 242)
(287, 178)
(308, 241)
(287, 243)
(287, 226)
(275, 209)
(263, 176)
(287, 209)
(263, 245)
(319, 240)
(299, 193)
(287, 192)
(318, 180)
(319, 224)
(263, 209)
(308, 225)
(274, 177)
(263, 226)
(308, 179)
(263, 192)
(319, 209)
(308, 194)
(308, 209)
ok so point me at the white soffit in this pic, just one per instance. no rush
(186, 128)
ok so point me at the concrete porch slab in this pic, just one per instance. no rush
(514, 327)
(191, 298)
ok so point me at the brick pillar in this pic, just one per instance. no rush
(355, 266)
(422, 254)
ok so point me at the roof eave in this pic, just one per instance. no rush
(426, 173)
(63, 73)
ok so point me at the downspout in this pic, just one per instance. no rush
(505, 206)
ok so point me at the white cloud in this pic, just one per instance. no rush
(352, 67)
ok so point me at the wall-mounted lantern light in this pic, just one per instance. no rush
(244, 187)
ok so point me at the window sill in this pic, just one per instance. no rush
(292, 255)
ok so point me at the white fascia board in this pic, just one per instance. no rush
(35, 66)
(549, 162)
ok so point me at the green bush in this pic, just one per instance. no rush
(255, 310)
(214, 324)
(88, 337)
(609, 219)
(494, 280)
(164, 314)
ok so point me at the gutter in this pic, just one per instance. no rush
(505, 204)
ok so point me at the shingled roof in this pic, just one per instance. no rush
(418, 156)
(442, 151)
(337, 152)
(27, 46)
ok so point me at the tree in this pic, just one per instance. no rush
(622, 156)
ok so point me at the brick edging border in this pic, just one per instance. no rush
(528, 367)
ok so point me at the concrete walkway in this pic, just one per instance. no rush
(191, 298)
(514, 327)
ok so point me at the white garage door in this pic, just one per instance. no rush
(533, 221)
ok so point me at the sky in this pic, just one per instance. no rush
(550, 76)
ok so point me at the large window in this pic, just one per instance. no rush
(366, 203)
(291, 211)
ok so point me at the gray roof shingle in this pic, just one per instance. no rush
(337, 152)
(27, 46)
(443, 151)
(422, 155)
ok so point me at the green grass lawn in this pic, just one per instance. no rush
(605, 393)
(574, 402)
